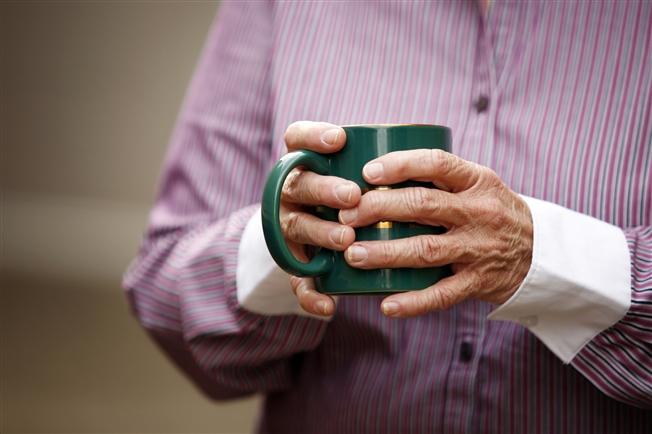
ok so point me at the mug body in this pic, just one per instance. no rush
(363, 144)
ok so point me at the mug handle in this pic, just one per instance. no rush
(270, 213)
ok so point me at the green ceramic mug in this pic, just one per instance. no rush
(331, 272)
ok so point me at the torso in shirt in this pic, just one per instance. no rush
(568, 120)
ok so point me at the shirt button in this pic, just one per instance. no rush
(466, 352)
(481, 104)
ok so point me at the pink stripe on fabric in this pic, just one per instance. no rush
(569, 121)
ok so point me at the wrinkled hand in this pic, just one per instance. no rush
(489, 237)
(304, 188)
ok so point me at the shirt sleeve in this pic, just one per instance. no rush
(182, 285)
(588, 298)
(267, 291)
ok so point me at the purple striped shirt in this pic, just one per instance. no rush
(568, 87)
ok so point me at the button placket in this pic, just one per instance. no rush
(478, 146)
(466, 351)
(478, 135)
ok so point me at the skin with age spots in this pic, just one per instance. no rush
(489, 227)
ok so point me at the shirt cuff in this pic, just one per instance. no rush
(578, 284)
(263, 287)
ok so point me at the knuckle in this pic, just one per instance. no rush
(314, 189)
(295, 283)
(418, 201)
(488, 173)
(291, 187)
(427, 249)
(445, 297)
(441, 162)
(304, 294)
(425, 302)
(487, 176)
(464, 250)
(374, 204)
(303, 290)
(461, 209)
(437, 298)
(438, 155)
(291, 225)
(474, 282)
(431, 299)
(387, 254)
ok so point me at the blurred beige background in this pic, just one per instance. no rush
(89, 94)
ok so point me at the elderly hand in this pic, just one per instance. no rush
(489, 237)
(305, 188)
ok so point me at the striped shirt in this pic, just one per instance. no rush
(556, 97)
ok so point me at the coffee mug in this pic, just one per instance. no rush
(330, 270)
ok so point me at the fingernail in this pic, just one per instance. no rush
(356, 253)
(373, 170)
(337, 235)
(348, 215)
(322, 307)
(344, 192)
(390, 308)
(329, 137)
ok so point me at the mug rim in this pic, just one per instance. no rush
(390, 125)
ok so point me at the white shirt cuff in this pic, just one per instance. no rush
(262, 287)
(578, 284)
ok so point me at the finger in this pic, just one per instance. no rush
(308, 188)
(440, 167)
(442, 295)
(304, 228)
(310, 300)
(420, 251)
(413, 204)
(320, 137)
